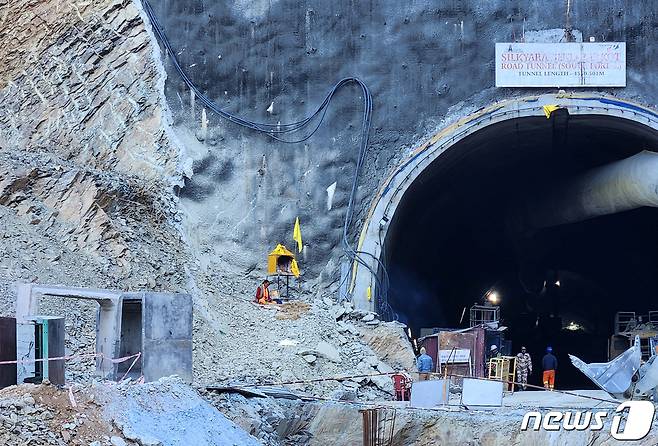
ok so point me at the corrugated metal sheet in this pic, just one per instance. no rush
(469, 338)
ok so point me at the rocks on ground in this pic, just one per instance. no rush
(44, 415)
(163, 413)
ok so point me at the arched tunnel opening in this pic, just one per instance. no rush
(459, 232)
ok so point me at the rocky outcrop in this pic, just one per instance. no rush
(87, 159)
(89, 211)
(85, 150)
(390, 343)
(79, 82)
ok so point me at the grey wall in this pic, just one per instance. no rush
(426, 62)
(167, 336)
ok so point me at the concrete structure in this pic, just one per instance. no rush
(157, 325)
(400, 181)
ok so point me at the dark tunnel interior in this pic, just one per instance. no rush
(449, 241)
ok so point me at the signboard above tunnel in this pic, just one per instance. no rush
(601, 64)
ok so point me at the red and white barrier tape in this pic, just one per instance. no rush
(85, 355)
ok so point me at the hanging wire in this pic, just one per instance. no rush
(276, 132)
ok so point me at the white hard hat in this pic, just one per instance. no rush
(493, 347)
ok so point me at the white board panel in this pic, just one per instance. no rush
(478, 392)
(428, 394)
(456, 355)
(597, 64)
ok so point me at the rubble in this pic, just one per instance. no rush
(163, 413)
(328, 351)
(390, 343)
(101, 186)
(43, 415)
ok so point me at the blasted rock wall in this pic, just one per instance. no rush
(426, 62)
(88, 162)
(84, 150)
(86, 158)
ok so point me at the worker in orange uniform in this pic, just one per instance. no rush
(549, 364)
(263, 293)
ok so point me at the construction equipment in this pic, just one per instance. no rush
(487, 315)
(503, 368)
(626, 376)
(628, 325)
(378, 426)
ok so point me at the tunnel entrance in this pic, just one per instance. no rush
(453, 238)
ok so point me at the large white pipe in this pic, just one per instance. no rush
(616, 187)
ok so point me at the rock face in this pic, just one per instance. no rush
(80, 83)
(426, 64)
(86, 157)
(87, 164)
(391, 344)
(85, 151)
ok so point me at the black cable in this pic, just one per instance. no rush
(275, 130)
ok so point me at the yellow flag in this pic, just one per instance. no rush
(294, 268)
(297, 235)
(548, 109)
(369, 293)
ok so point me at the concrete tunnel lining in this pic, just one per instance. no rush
(440, 254)
(400, 180)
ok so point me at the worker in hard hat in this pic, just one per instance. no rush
(263, 293)
(549, 365)
(425, 364)
(493, 353)
(523, 367)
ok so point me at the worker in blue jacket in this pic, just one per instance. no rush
(424, 364)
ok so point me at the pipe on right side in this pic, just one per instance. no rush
(616, 187)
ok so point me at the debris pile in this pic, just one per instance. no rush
(313, 345)
(45, 415)
(163, 413)
(166, 413)
(273, 421)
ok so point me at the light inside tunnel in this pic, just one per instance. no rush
(493, 297)
(454, 235)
